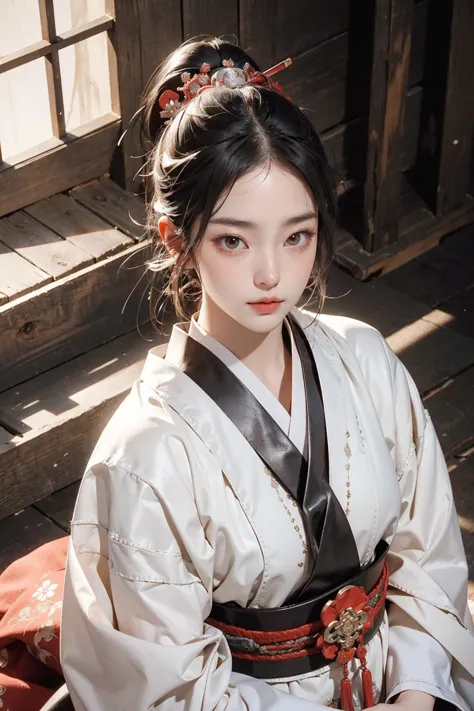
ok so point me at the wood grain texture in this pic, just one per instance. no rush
(462, 480)
(211, 17)
(272, 31)
(345, 143)
(430, 348)
(17, 275)
(113, 205)
(40, 246)
(65, 410)
(23, 532)
(72, 316)
(78, 225)
(447, 115)
(125, 44)
(59, 507)
(161, 31)
(389, 77)
(452, 414)
(64, 166)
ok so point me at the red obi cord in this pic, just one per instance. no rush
(338, 635)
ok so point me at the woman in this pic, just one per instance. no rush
(229, 543)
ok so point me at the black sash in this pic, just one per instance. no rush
(328, 532)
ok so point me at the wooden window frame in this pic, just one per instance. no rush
(68, 159)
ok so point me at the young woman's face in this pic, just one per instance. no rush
(260, 245)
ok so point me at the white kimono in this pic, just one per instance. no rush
(176, 509)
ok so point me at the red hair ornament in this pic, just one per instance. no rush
(228, 76)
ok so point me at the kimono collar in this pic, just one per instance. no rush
(294, 426)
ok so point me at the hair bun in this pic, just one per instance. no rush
(189, 57)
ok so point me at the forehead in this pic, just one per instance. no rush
(269, 192)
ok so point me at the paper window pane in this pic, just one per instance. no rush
(85, 81)
(72, 13)
(20, 25)
(25, 118)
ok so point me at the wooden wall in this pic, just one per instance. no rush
(330, 43)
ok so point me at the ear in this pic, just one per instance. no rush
(169, 236)
(170, 239)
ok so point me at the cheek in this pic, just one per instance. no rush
(219, 273)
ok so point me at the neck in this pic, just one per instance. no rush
(263, 353)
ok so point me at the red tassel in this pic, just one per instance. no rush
(347, 703)
(368, 689)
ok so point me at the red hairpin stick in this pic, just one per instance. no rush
(277, 68)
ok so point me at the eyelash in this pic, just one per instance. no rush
(219, 240)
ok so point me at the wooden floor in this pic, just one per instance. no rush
(425, 309)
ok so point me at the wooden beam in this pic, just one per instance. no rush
(161, 32)
(447, 113)
(392, 30)
(85, 156)
(84, 31)
(24, 55)
(64, 411)
(125, 48)
(72, 315)
(53, 70)
(212, 17)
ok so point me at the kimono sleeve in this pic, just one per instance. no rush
(429, 620)
(137, 593)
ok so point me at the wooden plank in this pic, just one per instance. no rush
(346, 146)
(109, 201)
(373, 301)
(423, 283)
(454, 258)
(432, 353)
(408, 326)
(462, 480)
(459, 311)
(72, 315)
(17, 275)
(65, 409)
(210, 17)
(125, 44)
(447, 115)
(86, 157)
(23, 532)
(418, 40)
(40, 246)
(161, 32)
(271, 31)
(420, 231)
(59, 507)
(78, 225)
(452, 413)
(390, 63)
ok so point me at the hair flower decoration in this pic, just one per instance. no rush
(228, 76)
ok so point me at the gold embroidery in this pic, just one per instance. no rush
(276, 486)
(348, 453)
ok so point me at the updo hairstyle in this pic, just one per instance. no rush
(219, 136)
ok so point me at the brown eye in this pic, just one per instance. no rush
(230, 243)
(299, 239)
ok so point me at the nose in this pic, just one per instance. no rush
(267, 273)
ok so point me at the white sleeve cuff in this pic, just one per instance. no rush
(417, 662)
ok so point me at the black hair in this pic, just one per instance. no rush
(215, 139)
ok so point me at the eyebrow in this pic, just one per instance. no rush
(236, 222)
